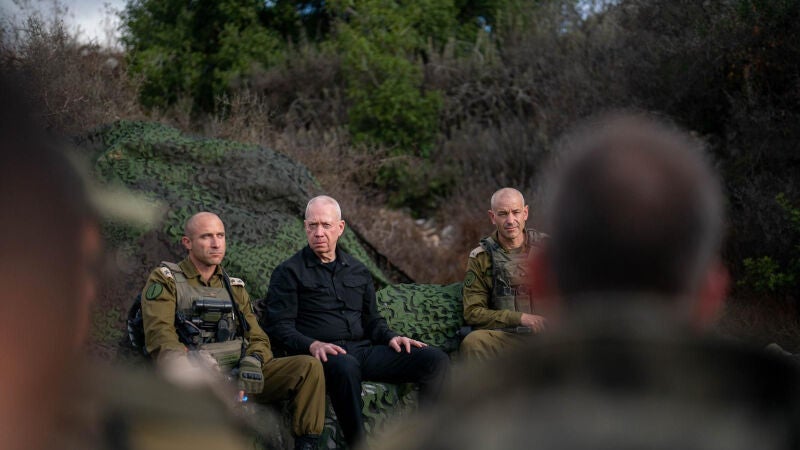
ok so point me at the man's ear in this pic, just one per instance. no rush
(187, 243)
(711, 295)
(542, 283)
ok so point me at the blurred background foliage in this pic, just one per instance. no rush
(413, 112)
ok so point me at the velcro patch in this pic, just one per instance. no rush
(166, 272)
(476, 251)
(237, 282)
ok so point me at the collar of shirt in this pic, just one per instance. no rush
(190, 271)
(311, 259)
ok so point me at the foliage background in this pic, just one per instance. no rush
(412, 113)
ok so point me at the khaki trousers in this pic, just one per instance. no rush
(300, 380)
(484, 345)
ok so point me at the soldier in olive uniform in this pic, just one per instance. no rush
(196, 294)
(496, 301)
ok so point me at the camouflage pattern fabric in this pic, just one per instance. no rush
(430, 313)
(261, 196)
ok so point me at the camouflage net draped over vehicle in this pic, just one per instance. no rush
(261, 197)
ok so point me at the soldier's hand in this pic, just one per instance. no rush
(251, 379)
(321, 350)
(399, 342)
(536, 323)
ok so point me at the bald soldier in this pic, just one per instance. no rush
(219, 330)
(496, 302)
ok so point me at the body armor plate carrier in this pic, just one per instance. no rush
(509, 274)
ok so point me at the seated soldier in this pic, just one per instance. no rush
(214, 312)
(497, 303)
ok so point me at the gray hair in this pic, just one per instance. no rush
(328, 200)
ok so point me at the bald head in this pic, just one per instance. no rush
(508, 194)
(634, 207)
(191, 225)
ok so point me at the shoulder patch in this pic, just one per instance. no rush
(166, 272)
(237, 282)
(476, 251)
(153, 291)
(470, 278)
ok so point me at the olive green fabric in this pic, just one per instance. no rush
(485, 345)
(159, 312)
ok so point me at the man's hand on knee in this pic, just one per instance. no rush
(400, 342)
(321, 350)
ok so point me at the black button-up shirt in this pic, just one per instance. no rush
(308, 300)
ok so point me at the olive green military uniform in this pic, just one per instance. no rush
(297, 378)
(486, 341)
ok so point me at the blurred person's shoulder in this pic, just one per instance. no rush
(134, 408)
(614, 389)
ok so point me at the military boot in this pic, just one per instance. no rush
(306, 442)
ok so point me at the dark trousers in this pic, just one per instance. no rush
(426, 366)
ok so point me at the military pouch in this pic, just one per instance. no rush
(226, 353)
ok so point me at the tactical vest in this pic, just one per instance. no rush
(204, 316)
(509, 274)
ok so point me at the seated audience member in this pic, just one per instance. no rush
(321, 302)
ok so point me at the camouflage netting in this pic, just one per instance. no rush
(261, 196)
(429, 313)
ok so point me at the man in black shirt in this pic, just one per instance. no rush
(321, 301)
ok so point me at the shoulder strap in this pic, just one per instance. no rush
(227, 281)
(492, 248)
(534, 238)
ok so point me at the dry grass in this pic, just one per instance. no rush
(76, 87)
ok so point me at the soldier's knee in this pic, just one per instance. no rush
(473, 341)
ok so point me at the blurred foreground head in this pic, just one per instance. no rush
(49, 242)
(634, 208)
